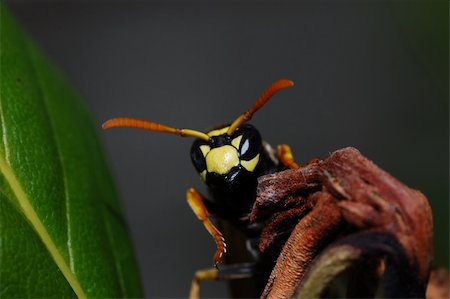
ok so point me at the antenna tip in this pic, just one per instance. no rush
(107, 124)
(287, 82)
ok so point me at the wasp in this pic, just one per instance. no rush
(228, 159)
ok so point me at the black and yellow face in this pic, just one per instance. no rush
(226, 158)
(227, 161)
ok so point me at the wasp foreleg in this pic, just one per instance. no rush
(285, 156)
(196, 202)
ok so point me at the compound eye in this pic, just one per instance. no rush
(198, 156)
(250, 144)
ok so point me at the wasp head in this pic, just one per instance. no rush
(228, 161)
(227, 157)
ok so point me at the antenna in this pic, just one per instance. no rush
(261, 101)
(121, 122)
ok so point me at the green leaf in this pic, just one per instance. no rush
(62, 232)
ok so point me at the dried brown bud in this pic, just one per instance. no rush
(342, 213)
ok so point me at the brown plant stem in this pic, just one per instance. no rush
(344, 213)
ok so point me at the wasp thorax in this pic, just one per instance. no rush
(224, 160)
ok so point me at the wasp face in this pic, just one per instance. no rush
(228, 161)
(226, 158)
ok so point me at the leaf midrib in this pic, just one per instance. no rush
(29, 211)
(36, 223)
(42, 90)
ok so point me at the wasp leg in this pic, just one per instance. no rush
(226, 272)
(196, 202)
(285, 155)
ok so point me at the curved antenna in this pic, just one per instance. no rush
(263, 98)
(151, 126)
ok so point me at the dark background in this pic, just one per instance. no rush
(371, 75)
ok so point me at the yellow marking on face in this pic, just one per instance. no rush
(217, 132)
(250, 165)
(221, 159)
(236, 141)
(203, 175)
(205, 149)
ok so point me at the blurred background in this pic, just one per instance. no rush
(370, 75)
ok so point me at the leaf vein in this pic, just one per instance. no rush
(67, 270)
(39, 227)
(4, 134)
(61, 162)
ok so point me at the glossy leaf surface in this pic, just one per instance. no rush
(62, 232)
